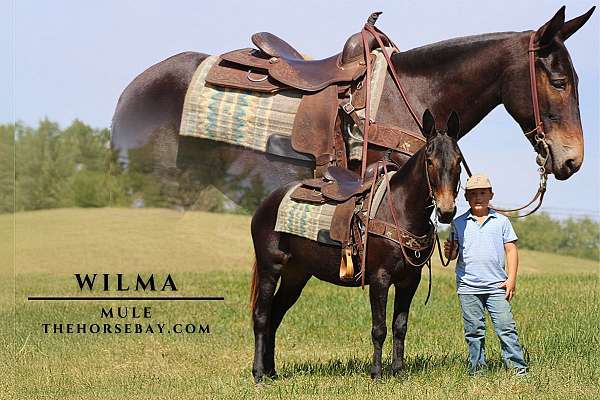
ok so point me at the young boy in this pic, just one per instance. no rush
(480, 239)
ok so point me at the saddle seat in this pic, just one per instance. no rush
(313, 75)
(276, 65)
(340, 184)
(274, 46)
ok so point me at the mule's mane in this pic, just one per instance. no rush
(432, 55)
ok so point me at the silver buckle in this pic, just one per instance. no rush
(348, 107)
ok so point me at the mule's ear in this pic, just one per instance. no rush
(545, 35)
(453, 125)
(428, 124)
(572, 26)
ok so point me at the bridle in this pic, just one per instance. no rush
(540, 145)
(539, 137)
(428, 241)
(539, 140)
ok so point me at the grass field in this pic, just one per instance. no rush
(324, 345)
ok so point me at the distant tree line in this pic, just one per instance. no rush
(49, 167)
(56, 168)
(578, 237)
(573, 237)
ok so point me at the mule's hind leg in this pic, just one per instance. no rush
(270, 261)
(402, 298)
(292, 282)
(268, 275)
(378, 292)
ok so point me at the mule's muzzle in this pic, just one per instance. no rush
(445, 216)
(566, 170)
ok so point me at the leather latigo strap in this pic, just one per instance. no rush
(339, 145)
(401, 237)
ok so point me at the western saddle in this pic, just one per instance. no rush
(333, 90)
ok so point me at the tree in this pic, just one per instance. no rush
(7, 168)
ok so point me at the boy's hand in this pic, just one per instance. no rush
(510, 286)
(512, 258)
(451, 249)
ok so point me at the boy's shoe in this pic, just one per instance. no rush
(480, 370)
(521, 372)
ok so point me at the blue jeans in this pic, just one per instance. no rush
(473, 306)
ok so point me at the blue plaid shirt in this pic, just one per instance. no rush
(480, 266)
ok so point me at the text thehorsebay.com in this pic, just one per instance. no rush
(124, 319)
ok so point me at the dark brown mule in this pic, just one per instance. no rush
(471, 75)
(294, 259)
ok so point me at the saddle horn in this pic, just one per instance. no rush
(373, 18)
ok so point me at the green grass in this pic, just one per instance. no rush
(324, 347)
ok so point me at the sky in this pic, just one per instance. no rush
(71, 59)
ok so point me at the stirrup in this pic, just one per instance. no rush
(346, 265)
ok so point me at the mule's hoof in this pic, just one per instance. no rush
(376, 374)
(272, 374)
(258, 376)
(397, 370)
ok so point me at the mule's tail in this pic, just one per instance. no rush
(254, 287)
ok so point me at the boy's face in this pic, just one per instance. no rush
(479, 199)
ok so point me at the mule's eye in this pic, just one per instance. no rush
(429, 162)
(560, 83)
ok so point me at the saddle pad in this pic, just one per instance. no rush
(355, 139)
(303, 219)
(379, 192)
(235, 116)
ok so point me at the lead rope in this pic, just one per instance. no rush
(428, 287)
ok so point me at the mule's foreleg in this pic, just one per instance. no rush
(292, 282)
(378, 292)
(402, 298)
